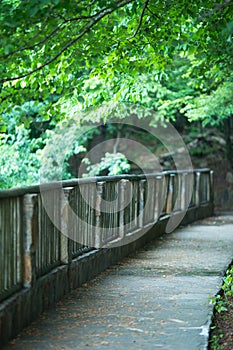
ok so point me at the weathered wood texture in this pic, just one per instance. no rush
(96, 213)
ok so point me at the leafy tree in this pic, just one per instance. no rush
(58, 57)
(51, 46)
(19, 159)
(25, 134)
(216, 109)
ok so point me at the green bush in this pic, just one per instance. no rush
(110, 164)
(19, 159)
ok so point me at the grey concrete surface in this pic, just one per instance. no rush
(157, 298)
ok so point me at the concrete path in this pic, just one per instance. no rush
(156, 299)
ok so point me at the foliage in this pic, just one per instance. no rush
(67, 139)
(221, 300)
(30, 114)
(49, 47)
(163, 97)
(214, 342)
(58, 58)
(112, 163)
(20, 146)
(19, 161)
(222, 304)
(228, 283)
(211, 108)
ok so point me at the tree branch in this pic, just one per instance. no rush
(99, 16)
(154, 14)
(141, 19)
(46, 38)
(217, 8)
(34, 45)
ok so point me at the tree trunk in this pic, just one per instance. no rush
(229, 146)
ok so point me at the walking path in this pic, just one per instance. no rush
(156, 299)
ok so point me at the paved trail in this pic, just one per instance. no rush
(156, 299)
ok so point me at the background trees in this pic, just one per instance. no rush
(58, 56)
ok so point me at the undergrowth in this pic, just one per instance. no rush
(222, 302)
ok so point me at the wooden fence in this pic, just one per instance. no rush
(91, 214)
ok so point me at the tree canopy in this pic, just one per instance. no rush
(61, 56)
(49, 47)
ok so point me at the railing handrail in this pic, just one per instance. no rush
(21, 191)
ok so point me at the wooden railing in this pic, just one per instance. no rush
(11, 245)
(91, 214)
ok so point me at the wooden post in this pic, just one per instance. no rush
(141, 202)
(30, 211)
(211, 187)
(158, 190)
(170, 194)
(65, 256)
(184, 190)
(122, 188)
(98, 231)
(197, 194)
